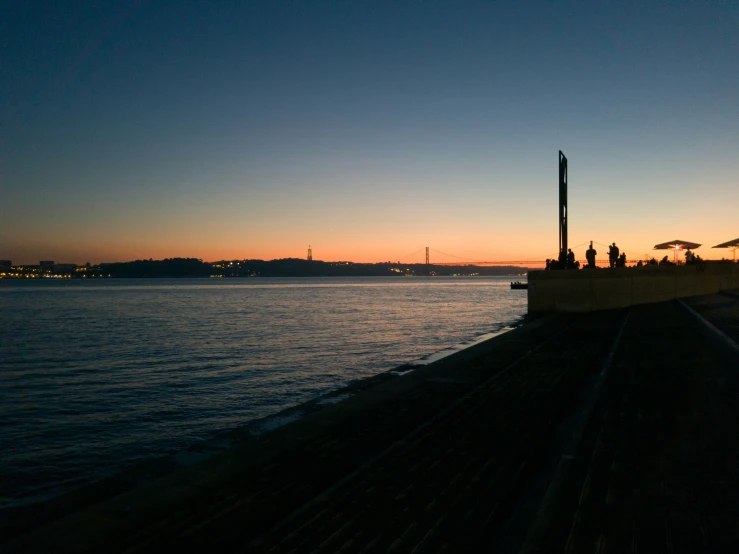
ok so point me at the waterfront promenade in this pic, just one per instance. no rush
(613, 431)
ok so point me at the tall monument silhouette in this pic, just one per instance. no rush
(562, 206)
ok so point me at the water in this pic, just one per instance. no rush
(97, 376)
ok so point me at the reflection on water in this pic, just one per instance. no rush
(95, 377)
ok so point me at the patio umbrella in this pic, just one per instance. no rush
(733, 244)
(677, 245)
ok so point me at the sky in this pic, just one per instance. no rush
(369, 130)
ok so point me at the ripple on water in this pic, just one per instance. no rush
(96, 378)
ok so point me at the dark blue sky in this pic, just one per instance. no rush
(368, 129)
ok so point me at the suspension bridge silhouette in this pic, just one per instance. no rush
(431, 256)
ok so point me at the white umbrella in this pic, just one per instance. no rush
(677, 245)
(733, 244)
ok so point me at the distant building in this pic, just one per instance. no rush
(64, 268)
(46, 265)
(5, 265)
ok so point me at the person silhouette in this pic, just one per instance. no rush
(590, 255)
(612, 254)
(570, 259)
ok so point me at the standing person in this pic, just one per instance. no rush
(613, 254)
(562, 262)
(590, 255)
(570, 259)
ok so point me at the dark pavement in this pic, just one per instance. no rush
(658, 468)
(615, 431)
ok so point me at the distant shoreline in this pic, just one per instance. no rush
(289, 267)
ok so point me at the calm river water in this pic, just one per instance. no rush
(97, 376)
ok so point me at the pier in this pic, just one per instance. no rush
(610, 431)
(595, 289)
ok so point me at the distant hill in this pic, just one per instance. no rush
(171, 267)
(290, 267)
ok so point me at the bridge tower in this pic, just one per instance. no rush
(562, 205)
(310, 254)
(427, 260)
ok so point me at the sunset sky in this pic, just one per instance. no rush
(365, 129)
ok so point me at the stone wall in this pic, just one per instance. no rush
(590, 290)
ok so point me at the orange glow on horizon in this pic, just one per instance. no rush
(516, 232)
(533, 247)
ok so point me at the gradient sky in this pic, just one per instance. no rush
(366, 129)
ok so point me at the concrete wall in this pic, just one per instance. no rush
(590, 290)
